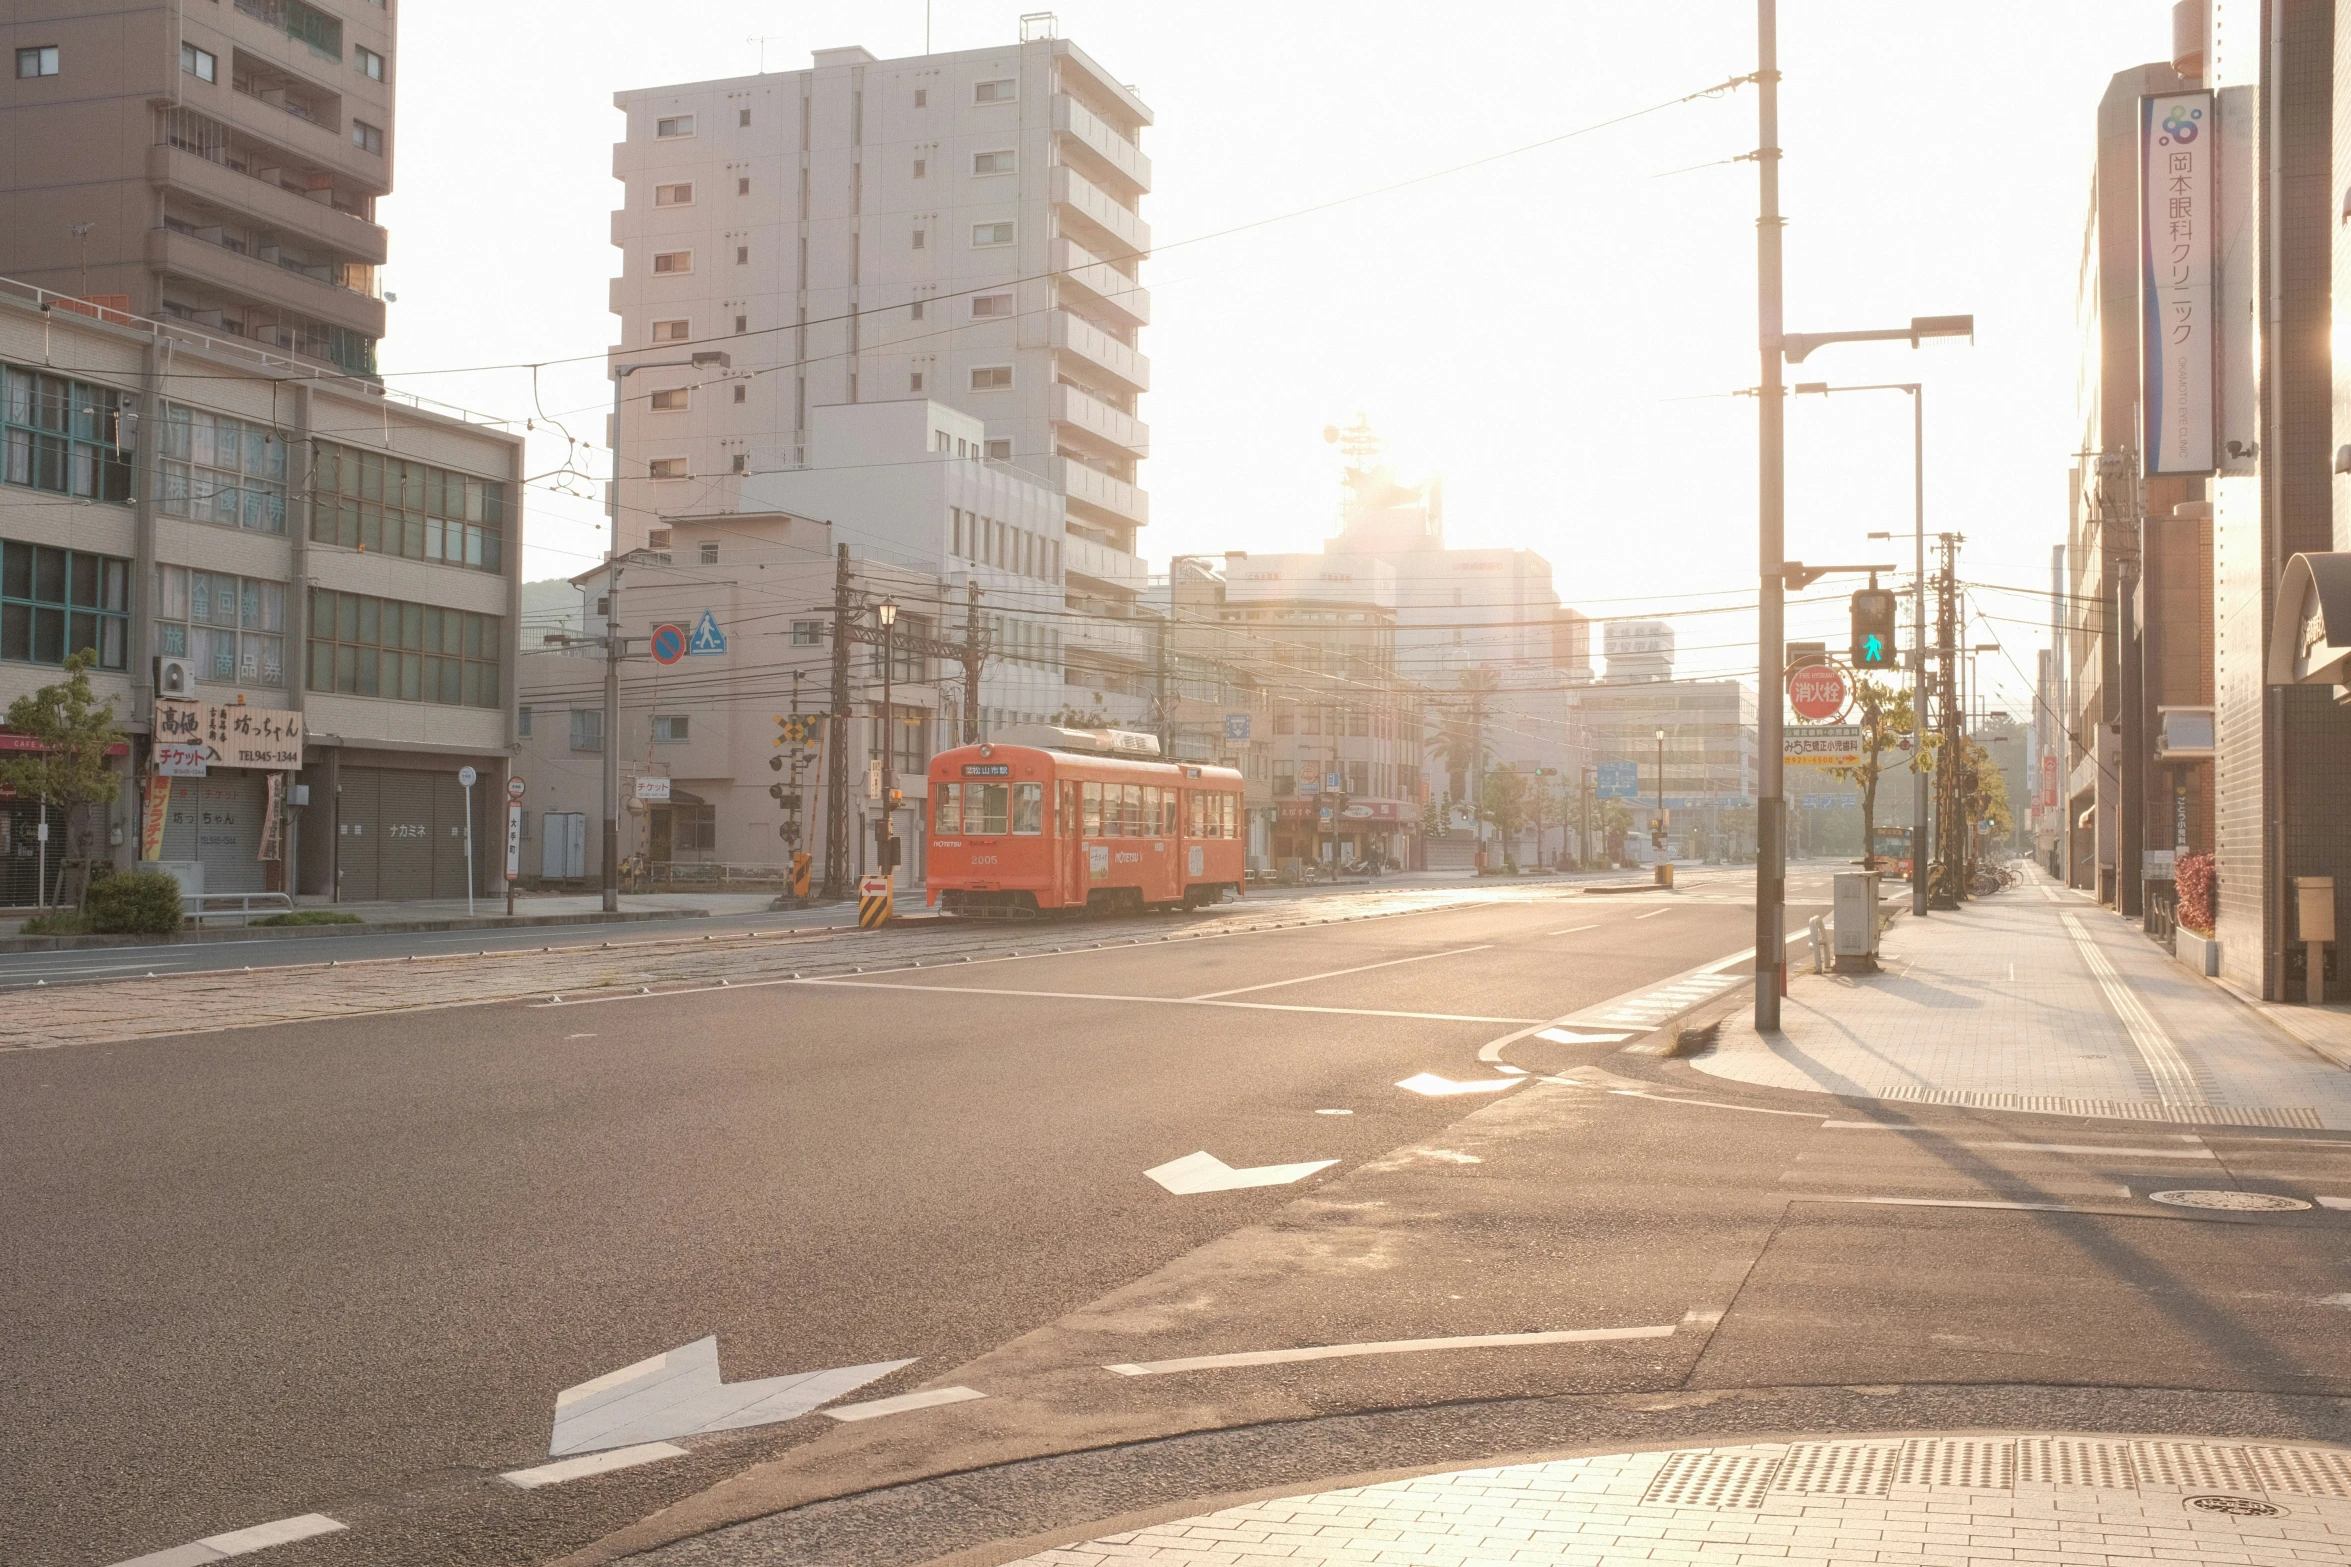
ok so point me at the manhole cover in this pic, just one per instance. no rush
(2242, 1202)
(2236, 1506)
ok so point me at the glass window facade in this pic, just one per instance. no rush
(365, 646)
(54, 603)
(232, 629)
(216, 469)
(365, 500)
(61, 435)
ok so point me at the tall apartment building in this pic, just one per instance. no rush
(959, 228)
(256, 552)
(215, 162)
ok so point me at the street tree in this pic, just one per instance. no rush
(71, 731)
(1505, 809)
(1886, 718)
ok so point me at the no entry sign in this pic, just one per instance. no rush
(1817, 691)
(669, 644)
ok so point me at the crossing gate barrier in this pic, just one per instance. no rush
(873, 902)
(800, 862)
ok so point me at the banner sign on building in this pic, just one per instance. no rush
(177, 760)
(152, 819)
(269, 738)
(2176, 227)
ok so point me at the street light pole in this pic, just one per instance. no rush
(1660, 838)
(1771, 519)
(703, 360)
(887, 613)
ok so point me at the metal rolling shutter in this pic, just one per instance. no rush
(449, 834)
(225, 830)
(359, 836)
(408, 834)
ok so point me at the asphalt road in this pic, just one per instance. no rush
(345, 1266)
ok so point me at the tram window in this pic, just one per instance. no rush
(1134, 810)
(1028, 808)
(947, 810)
(1191, 813)
(983, 808)
(1150, 810)
(1067, 824)
(1092, 808)
(1231, 802)
(1167, 819)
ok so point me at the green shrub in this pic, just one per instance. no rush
(311, 917)
(67, 923)
(145, 903)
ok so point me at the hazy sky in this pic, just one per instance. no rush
(1556, 332)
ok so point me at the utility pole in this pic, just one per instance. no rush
(885, 838)
(971, 662)
(1771, 520)
(2130, 818)
(612, 642)
(1949, 830)
(1159, 674)
(1584, 849)
(836, 823)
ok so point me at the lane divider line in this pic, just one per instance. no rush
(2175, 1084)
(592, 1464)
(240, 1542)
(1365, 968)
(1401, 1346)
(875, 1408)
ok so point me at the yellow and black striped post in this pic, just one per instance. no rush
(800, 862)
(873, 902)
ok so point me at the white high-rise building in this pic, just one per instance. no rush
(959, 228)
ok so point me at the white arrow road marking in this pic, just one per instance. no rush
(1205, 1172)
(1431, 1084)
(1578, 1036)
(679, 1394)
(593, 1464)
(239, 1542)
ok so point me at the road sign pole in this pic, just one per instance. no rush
(465, 777)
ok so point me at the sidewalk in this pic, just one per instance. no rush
(2038, 1000)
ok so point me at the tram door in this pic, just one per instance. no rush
(1069, 850)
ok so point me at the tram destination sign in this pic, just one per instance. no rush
(987, 770)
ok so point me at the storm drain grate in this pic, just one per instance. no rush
(2065, 1460)
(2298, 1471)
(1732, 1479)
(1838, 1468)
(2193, 1466)
(2114, 1109)
(1971, 1463)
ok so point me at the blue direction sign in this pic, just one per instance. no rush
(669, 644)
(1236, 726)
(1618, 781)
(707, 637)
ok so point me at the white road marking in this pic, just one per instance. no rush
(2335, 1202)
(592, 1464)
(1430, 1084)
(239, 1542)
(2091, 1148)
(1653, 913)
(1401, 1346)
(1571, 930)
(679, 1393)
(2174, 1083)
(1578, 1036)
(1334, 1112)
(1336, 973)
(1205, 1172)
(1704, 1104)
(1167, 1001)
(875, 1408)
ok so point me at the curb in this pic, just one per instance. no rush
(306, 932)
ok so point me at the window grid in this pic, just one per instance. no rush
(231, 629)
(55, 602)
(363, 646)
(61, 435)
(221, 470)
(365, 500)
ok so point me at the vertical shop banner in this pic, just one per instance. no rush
(273, 818)
(152, 819)
(2177, 221)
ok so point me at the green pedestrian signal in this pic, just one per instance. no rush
(1873, 629)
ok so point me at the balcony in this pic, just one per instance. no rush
(1104, 643)
(1113, 569)
(1074, 120)
(1099, 491)
(1076, 336)
(1081, 268)
(1129, 234)
(1092, 417)
(264, 281)
(306, 215)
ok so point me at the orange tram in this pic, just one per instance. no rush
(1018, 832)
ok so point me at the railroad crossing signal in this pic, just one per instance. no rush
(797, 729)
(1873, 629)
(800, 863)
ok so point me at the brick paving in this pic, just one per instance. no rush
(1998, 1006)
(1961, 1498)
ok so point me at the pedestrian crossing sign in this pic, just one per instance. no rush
(707, 637)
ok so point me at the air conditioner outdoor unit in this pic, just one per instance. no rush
(175, 677)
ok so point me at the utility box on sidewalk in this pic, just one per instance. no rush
(1856, 939)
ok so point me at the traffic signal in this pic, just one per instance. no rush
(1873, 629)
